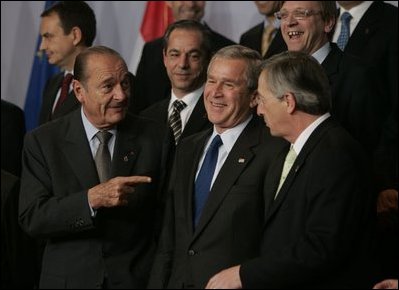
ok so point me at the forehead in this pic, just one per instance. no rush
(293, 5)
(101, 64)
(225, 68)
(185, 37)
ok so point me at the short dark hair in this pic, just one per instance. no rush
(75, 13)
(190, 25)
(81, 60)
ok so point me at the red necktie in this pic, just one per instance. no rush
(64, 90)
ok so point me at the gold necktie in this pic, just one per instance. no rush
(267, 38)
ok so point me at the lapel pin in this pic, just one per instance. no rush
(125, 158)
(241, 160)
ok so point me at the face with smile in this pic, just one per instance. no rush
(228, 101)
(306, 34)
(105, 92)
(185, 61)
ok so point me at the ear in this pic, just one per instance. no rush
(290, 102)
(76, 35)
(79, 90)
(329, 25)
(253, 102)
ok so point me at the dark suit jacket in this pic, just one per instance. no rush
(49, 94)
(253, 39)
(58, 171)
(18, 265)
(152, 83)
(362, 108)
(12, 137)
(229, 228)
(197, 122)
(375, 40)
(316, 233)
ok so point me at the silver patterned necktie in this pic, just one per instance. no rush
(103, 157)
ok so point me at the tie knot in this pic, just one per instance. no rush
(346, 17)
(179, 105)
(67, 79)
(103, 136)
(216, 142)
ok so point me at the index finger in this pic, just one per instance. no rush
(136, 179)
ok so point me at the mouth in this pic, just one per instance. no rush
(294, 34)
(218, 105)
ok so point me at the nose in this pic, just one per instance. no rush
(183, 60)
(120, 94)
(42, 44)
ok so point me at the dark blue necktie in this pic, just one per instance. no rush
(205, 176)
(345, 30)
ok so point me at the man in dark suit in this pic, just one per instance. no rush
(152, 83)
(207, 230)
(373, 36)
(318, 203)
(358, 99)
(12, 137)
(67, 28)
(186, 57)
(259, 38)
(98, 223)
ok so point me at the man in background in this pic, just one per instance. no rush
(152, 83)
(67, 28)
(265, 37)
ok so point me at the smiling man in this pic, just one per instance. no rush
(214, 213)
(89, 183)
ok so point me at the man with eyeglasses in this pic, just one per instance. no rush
(360, 101)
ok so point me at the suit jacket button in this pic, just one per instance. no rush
(191, 252)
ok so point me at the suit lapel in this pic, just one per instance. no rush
(192, 152)
(365, 28)
(125, 151)
(299, 163)
(238, 159)
(198, 120)
(78, 151)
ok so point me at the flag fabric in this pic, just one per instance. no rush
(40, 73)
(157, 17)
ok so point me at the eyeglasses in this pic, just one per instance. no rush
(299, 14)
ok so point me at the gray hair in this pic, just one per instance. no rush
(250, 56)
(300, 74)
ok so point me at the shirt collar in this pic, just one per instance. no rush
(90, 129)
(190, 99)
(230, 136)
(321, 54)
(304, 136)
